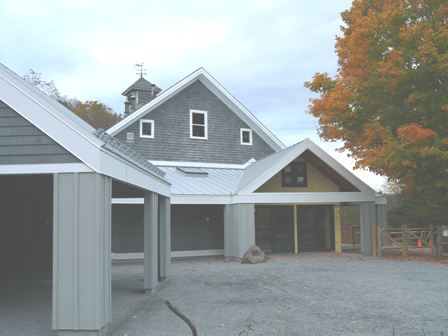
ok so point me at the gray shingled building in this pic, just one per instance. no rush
(234, 183)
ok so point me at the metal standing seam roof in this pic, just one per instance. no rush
(228, 182)
(218, 181)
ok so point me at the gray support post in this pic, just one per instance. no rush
(150, 241)
(367, 220)
(81, 253)
(381, 215)
(165, 236)
(239, 229)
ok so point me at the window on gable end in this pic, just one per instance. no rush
(246, 136)
(295, 175)
(198, 124)
(147, 128)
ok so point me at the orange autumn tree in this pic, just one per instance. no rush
(388, 102)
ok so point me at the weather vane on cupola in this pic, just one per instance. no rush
(140, 70)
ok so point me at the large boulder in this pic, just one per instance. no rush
(254, 255)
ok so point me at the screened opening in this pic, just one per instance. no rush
(26, 251)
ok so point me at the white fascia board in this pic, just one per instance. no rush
(47, 168)
(201, 199)
(130, 201)
(122, 171)
(181, 199)
(213, 85)
(304, 197)
(200, 164)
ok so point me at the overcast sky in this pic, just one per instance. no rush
(262, 51)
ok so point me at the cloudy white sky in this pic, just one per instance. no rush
(262, 51)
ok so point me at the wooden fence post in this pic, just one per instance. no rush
(375, 240)
(439, 241)
(404, 240)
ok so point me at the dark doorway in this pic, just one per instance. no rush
(274, 228)
(315, 228)
(197, 227)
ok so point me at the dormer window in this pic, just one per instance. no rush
(246, 136)
(146, 128)
(198, 124)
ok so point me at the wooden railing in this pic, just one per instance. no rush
(402, 238)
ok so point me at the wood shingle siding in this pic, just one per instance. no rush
(172, 140)
(23, 143)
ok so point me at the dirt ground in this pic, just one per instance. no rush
(317, 294)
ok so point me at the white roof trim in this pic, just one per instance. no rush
(293, 152)
(72, 133)
(46, 168)
(266, 198)
(213, 85)
(201, 164)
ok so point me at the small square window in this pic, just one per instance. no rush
(130, 136)
(294, 175)
(198, 124)
(147, 128)
(246, 136)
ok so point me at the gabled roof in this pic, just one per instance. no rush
(261, 171)
(214, 86)
(141, 84)
(93, 148)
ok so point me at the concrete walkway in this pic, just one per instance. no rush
(308, 295)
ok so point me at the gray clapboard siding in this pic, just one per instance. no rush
(172, 131)
(23, 143)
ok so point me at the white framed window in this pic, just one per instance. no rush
(198, 124)
(130, 135)
(246, 136)
(146, 128)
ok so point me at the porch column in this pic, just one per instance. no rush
(165, 236)
(239, 229)
(337, 229)
(367, 220)
(381, 215)
(81, 253)
(150, 241)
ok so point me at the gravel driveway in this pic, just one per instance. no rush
(306, 295)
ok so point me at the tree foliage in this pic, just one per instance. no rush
(388, 102)
(93, 112)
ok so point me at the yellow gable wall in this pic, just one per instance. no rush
(317, 182)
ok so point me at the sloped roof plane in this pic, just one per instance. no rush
(98, 152)
(213, 85)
